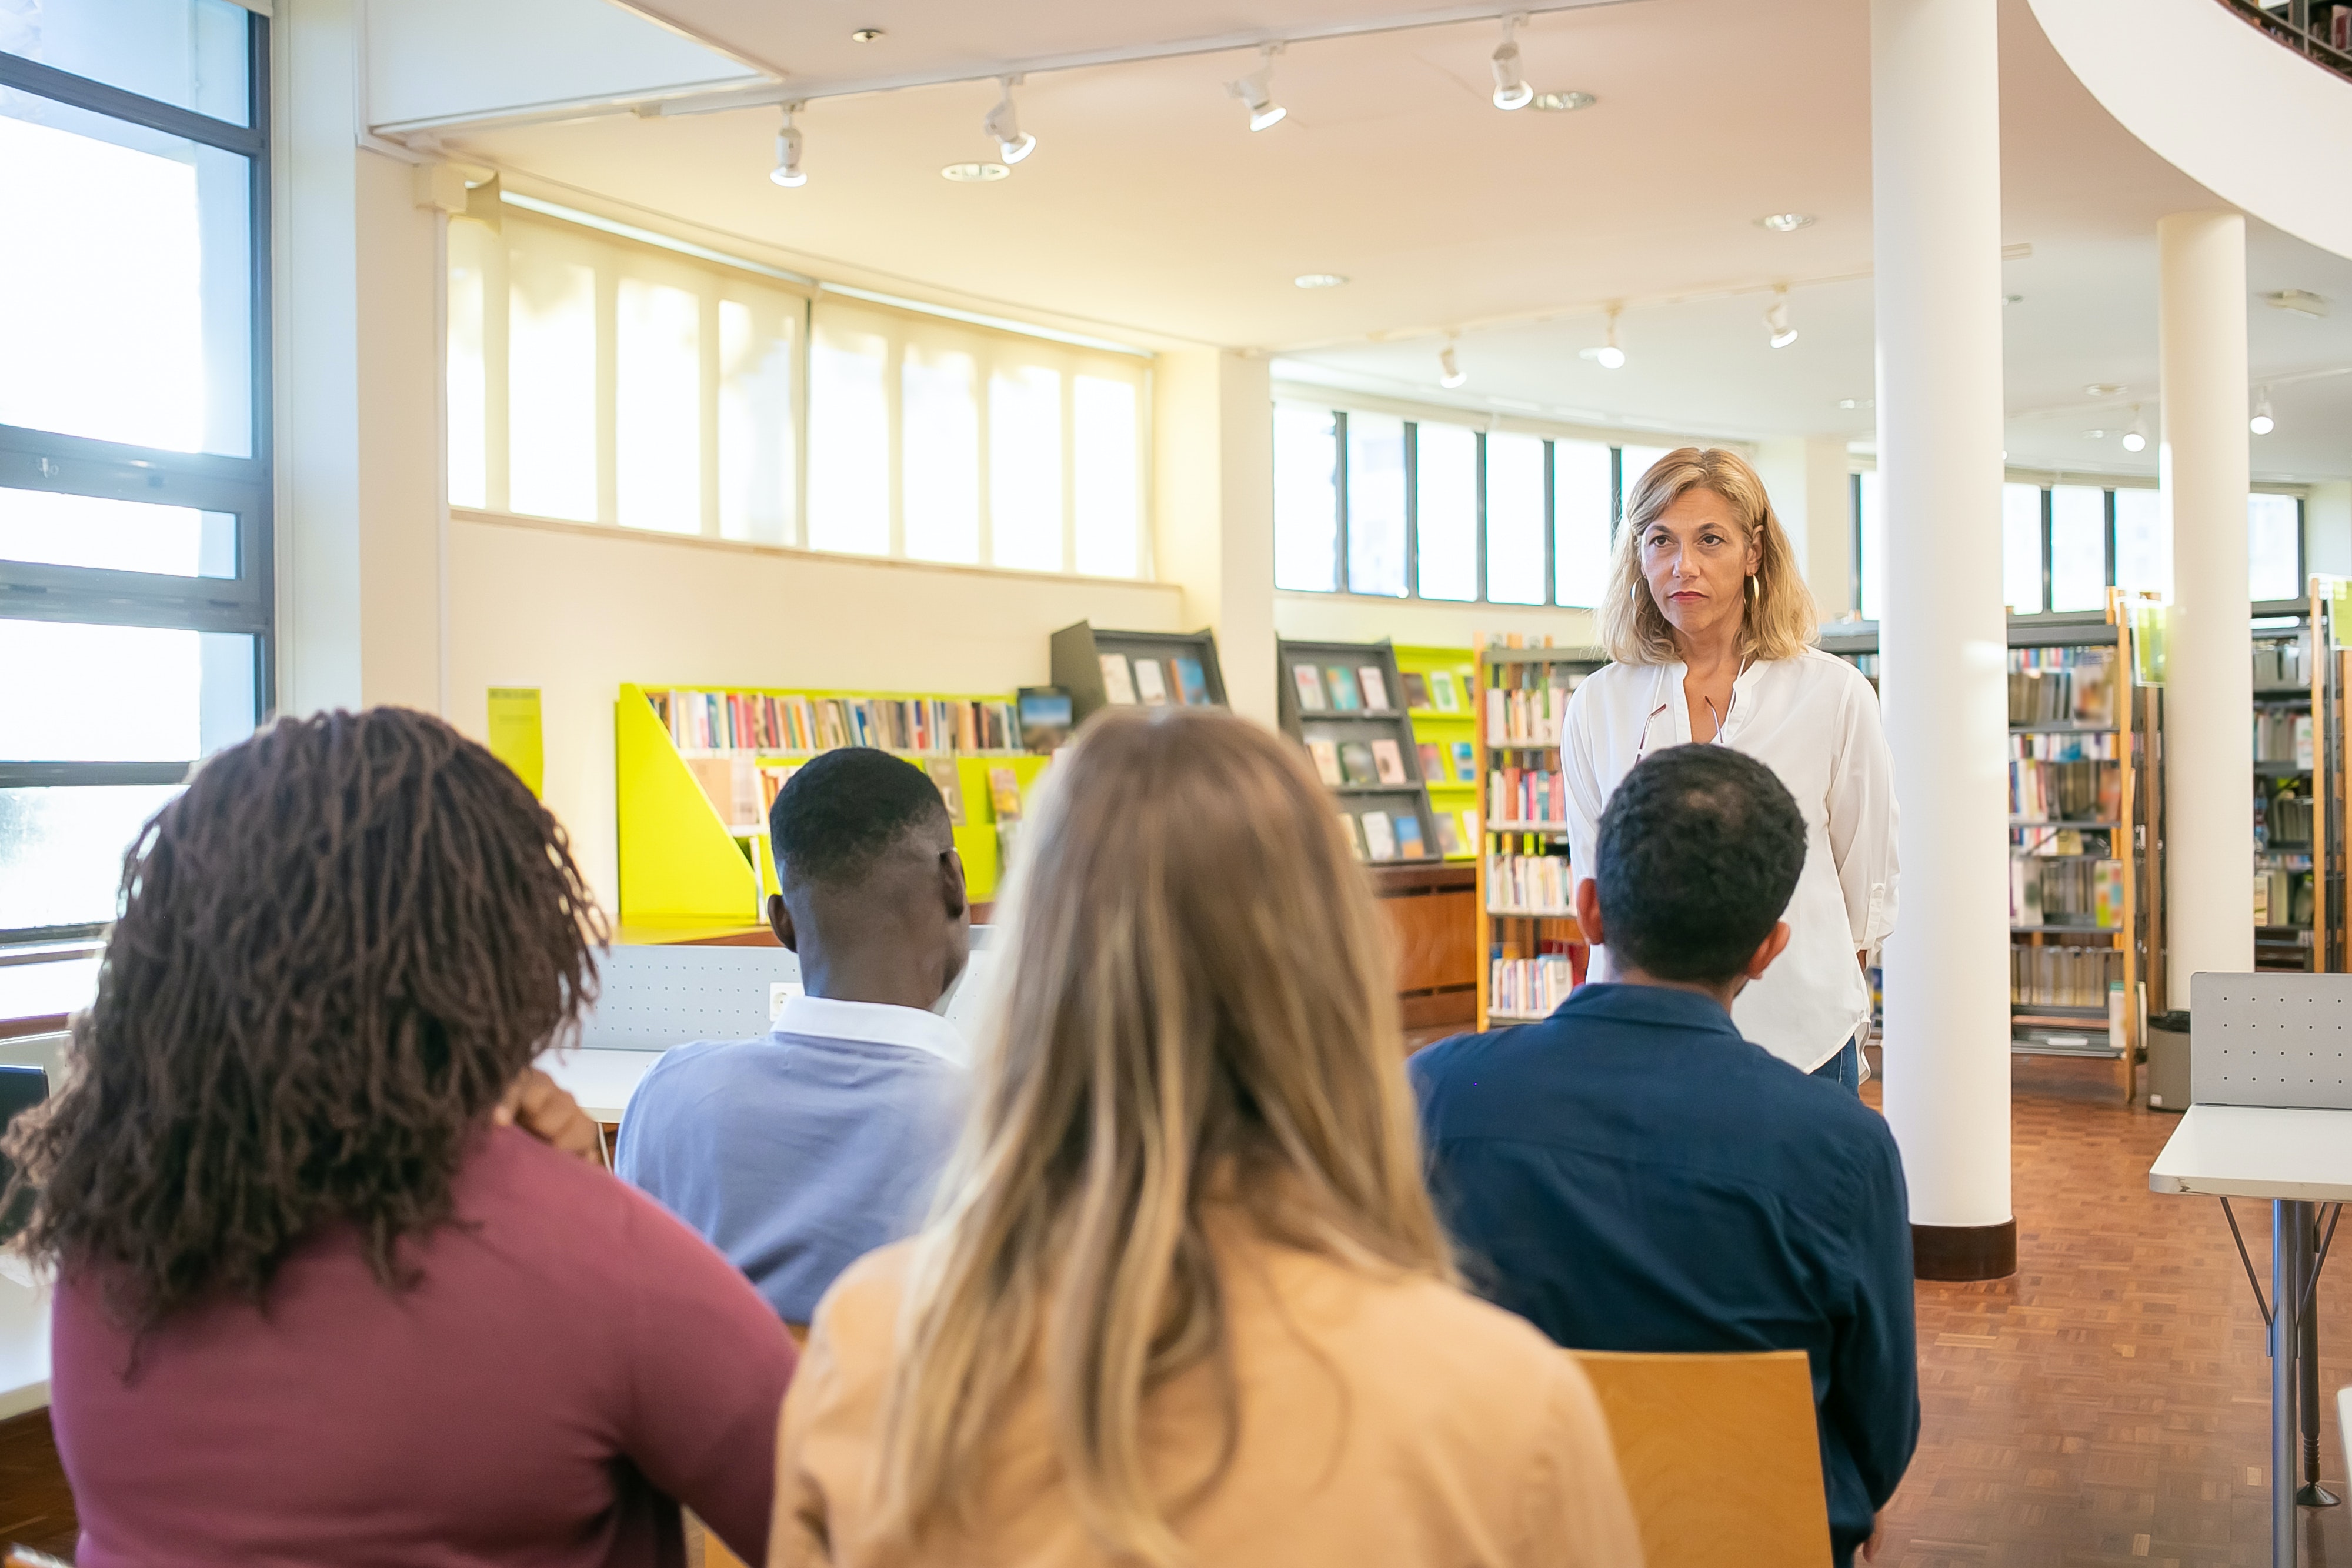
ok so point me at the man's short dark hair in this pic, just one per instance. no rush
(845, 810)
(1698, 854)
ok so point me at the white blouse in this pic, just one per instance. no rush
(1813, 719)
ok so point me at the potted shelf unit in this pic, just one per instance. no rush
(1440, 695)
(1127, 669)
(1345, 703)
(2079, 793)
(1535, 951)
(696, 769)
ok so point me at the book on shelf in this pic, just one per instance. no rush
(1353, 834)
(1527, 716)
(2061, 778)
(1388, 761)
(1526, 794)
(1416, 689)
(1327, 762)
(1470, 826)
(765, 722)
(773, 777)
(1466, 761)
(2071, 891)
(1375, 688)
(2051, 977)
(1119, 680)
(1432, 763)
(2283, 736)
(1309, 681)
(951, 788)
(731, 783)
(1358, 764)
(1442, 694)
(1449, 840)
(2281, 663)
(1528, 882)
(1409, 842)
(1346, 696)
(2283, 819)
(1533, 987)
(1004, 794)
(2062, 686)
(1151, 685)
(1380, 836)
(2281, 897)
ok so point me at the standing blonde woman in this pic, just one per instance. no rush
(1184, 1298)
(1710, 626)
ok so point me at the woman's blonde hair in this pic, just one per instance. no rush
(1198, 1012)
(1780, 620)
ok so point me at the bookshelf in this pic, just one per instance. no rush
(2286, 787)
(1345, 702)
(696, 767)
(2084, 868)
(1534, 950)
(1443, 704)
(1104, 670)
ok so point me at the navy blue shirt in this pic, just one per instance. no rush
(1631, 1175)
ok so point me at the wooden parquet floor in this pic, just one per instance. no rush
(2110, 1403)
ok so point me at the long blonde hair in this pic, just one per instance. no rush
(1780, 619)
(1198, 1013)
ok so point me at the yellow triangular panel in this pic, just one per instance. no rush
(679, 866)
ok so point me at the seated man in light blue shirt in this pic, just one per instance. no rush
(798, 1153)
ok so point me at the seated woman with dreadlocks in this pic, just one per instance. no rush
(315, 1302)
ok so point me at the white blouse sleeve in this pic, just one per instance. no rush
(1585, 799)
(1862, 817)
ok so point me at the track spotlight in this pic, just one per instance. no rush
(1776, 319)
(1257, 89)
(2262, 423)
(1449, 368)
(1511, 88)
(1012, 144)
(2136, 438)
(1608, 356)
(787, 171)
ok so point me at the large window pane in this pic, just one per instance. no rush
(2143, 543)
(2273, 547)
(2078, 547)
(551, 385)
(1107, 475)
(52, 529)
(1024, 467)
(1581, 507)
(1446, 485)
(939, 456)
(123, 264)
(1515, 520)
(1633, 462)
(1870, 522)
(2020, 549)
(657, 461)
(1306, 498)
(849, 442)
(61, 850)
(122, 694)
(1375, 504)
(471, 248)
(188, 53)
(756, 462)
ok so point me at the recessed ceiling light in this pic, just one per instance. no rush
(1559, 101)
(865, 35)
(973, 173)
(2101, 389)
(1318, 279)
(1784, 223)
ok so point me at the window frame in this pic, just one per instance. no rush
(33, 459)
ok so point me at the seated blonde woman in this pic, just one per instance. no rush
(1184, 1298)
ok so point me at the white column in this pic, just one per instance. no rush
(1936, 189)
(1213, 414)
(2202, 464)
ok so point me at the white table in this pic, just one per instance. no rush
(602, 1082)
(2296, 1160)
(24, 1338)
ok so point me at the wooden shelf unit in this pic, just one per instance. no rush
(1546, 676)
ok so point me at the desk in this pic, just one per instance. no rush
(602, 1082)
(24, 1338)
(2297, 1160)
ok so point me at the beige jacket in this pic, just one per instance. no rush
(1389, 1421)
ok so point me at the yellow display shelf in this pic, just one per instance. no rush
(1434, 726)
(683, 868)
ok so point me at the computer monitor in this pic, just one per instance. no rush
(21, 1088)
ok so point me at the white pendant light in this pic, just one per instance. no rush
(1776, 319)
(2136, 438)
(2262, 423)
(1449, 367)
(1002, 124)
(1257, 90)
(787, 171)
(1511, 88)
(1608, 356)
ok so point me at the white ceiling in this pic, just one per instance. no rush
(1149, 208)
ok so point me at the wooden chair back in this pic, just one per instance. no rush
(1721, 1455)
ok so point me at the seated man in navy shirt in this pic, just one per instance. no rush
(1631, 1175)
(798, 1153)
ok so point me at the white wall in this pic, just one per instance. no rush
(1357, 617)
(576, 610)
(1811, 489)
(1213, 524)
(2327, 528)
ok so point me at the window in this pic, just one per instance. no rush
(1870, 544)
(2063, 546)
(599, 379)
(1525, 518)
(135, 465)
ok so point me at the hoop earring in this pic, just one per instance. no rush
(1754, 593)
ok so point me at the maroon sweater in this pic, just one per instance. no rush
(574, 1360)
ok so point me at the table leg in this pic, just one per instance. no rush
(2290, 1224)
(2312, 1494)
